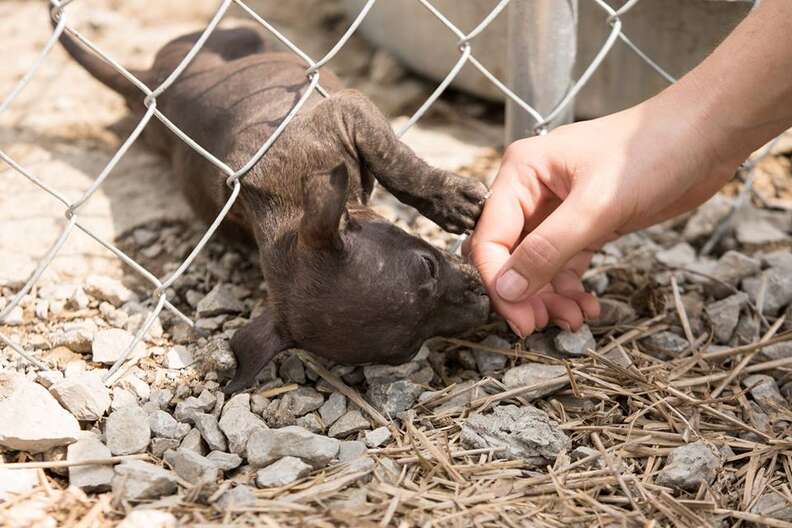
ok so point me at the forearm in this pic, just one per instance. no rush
(740, 97)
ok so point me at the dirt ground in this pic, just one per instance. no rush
(673, 410)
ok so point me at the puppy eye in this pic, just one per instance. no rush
(431, 265)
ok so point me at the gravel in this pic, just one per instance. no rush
(127, 431)
(351, 422)
(393, 398)
(522, 432)
(219, 301)
(238, 423)
(283, 472)
(575, 343)
(191, 466)
(333, 408)
(267, 446)
(32, 418)
(89, 478)
(84, 395)
(689, 466)
(135, 480)
(109, 345)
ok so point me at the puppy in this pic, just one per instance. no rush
(343, 282)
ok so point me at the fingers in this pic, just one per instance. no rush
(567, 232)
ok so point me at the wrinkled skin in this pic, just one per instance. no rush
(344, 283)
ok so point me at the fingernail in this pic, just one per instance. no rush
(563, 325)
(515, 329)
(511, 285)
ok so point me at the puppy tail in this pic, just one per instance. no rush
(101, 70)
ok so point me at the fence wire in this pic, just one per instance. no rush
(159, 293)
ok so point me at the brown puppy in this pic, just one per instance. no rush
(344, 283)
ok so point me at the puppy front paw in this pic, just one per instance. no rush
(457, 205)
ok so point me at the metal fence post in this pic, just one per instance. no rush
(542, 45)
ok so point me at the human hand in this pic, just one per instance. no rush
(559, 197)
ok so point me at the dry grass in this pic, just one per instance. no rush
(632, 416)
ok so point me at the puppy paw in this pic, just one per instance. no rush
(457, 205)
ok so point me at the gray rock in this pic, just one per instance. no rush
(159, 446)
(32, 419)
(379, 374)
(48, 378)
(707, 217)
(333, 409)
(393, 398)
(224, 461)
(217, 356)
(89, 478)
(239, 424)
(489, 362)
(266, 446)
(194, 442)
(122, 398)
(127, 431)
(110, 344)
(161, 398)
(458, 397)
(678, 256)
(614, 312)
(189, 407)
(575, 343)
(773, 505)
(191, 466)
(210, 431)
(16, 481)
(350, 450)
(778, 292)
(310, 421)
(164, 425)
(179, 357)
(75, 335)
(283, 472)
(758, 231)
(84, 395)
(531, 374)
(765, 392)
(725, 314)
(689, 466)
(378, 436)
(15, 317)
(777, 351)
(135, 480)
(145, 518)
(666, 343)
(302, 400)
(747, 330)
(620, 357)
(107, 289)
(292, 369)
(352, 422)
(731, 268)
(778, 259)
(221, 300)
(238, 497)
(524, 432)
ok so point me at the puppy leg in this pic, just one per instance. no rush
(451, 201)
(254, 345)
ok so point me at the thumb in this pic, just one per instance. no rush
(567, 231)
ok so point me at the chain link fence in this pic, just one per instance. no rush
(541, 123)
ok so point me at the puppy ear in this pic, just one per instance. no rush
(324, 209)
(254, 345)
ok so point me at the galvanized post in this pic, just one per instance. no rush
(542, 44)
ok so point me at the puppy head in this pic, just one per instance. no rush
(361, 290)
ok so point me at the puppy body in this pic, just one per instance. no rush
(343, 283)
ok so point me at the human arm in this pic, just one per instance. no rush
(558, 197)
